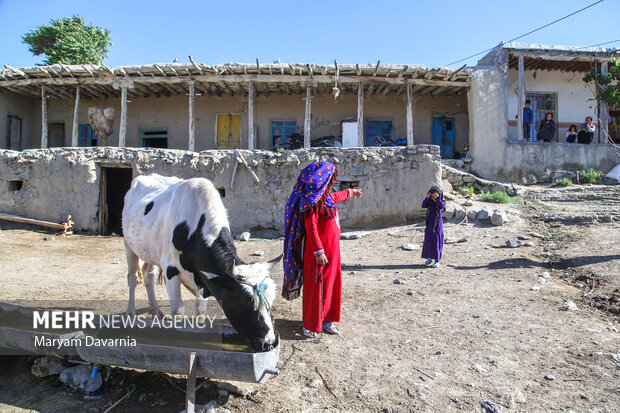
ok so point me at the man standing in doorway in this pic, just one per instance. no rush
(527, 120)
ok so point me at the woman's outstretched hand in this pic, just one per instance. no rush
(357, 193)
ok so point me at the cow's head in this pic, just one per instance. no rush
(246, 295)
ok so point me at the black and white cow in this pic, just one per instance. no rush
(182, 227)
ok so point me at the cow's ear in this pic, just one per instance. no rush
(216, 279)
(273, 262)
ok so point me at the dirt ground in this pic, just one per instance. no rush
(482, 327)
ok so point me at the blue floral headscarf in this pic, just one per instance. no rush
(309, 194)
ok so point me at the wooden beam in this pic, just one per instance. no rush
(227, 89)
(452, 75)
(16, 71)
(376, 68)
(191, 59)
(409, 116)
(30, 221)
(232, 79)
(76, 112)
(358, 70)
(310, 72)
(402, 72)
(307, 117)
(360, 115)
(251, 116)
(371, 87)
(603, 113)
(43, 118)
(192, 132)
(386, 90)
(242, 89)
(257, 66)
(520, 99)
(123, 123)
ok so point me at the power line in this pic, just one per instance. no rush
(601, 44)
(530, 32)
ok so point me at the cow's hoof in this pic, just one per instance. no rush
(131, 313)
(157, 314)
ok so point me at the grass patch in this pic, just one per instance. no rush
(562, 182)
(589, 177)
(469, 189)
(495, 197)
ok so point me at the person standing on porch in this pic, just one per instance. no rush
(546, 133)
(527, 120)
(312, 247)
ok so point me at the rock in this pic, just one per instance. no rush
(459, 214)
(410, 247)
(514, 243)
(353, 234)
(472, 214)
(315, 384)
(545, 275)
(535, 287)
(244, 236)
(47, 366)
(116, 262)
(484, 214)
(523, 238)
(464, 192)
(449, 196)
(397, 281)
(448, 213)
(258, 253)
(480, 368)
(469, 179)
(542, 280)
(455, 240)
(409, 292)
(498, 217)
(570, 306)
(536, 235)
(489, 407)
(468, 203)
(78, 377)
(550, 377)
(528, 244)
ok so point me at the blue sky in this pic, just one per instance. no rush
(408, 32)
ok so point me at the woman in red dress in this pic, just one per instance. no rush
(312, 247)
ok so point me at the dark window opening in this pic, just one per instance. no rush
(222, 192)
(378, 132)
(87, 136)
(349, 184)
(15, 186)
(281, 131)
(155, 138)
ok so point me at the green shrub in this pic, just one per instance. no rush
(590, 176)
(469, 189)
(562, 182)
(495, 197)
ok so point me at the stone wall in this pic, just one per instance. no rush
(49, 184)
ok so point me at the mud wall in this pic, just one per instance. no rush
(48, 184)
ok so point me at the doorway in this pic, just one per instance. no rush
(56, 135)
(114, 183)
(443, 134)
(14, 135)
(228, 131)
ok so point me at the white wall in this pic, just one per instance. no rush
(574, 97)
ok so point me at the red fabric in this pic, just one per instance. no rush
(322, 233)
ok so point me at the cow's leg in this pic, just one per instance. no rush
(150, 272)
(173, 286)
(132, 279)
(202, 298)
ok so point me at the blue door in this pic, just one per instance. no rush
(443, 134)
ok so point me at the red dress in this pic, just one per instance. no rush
(322, 234)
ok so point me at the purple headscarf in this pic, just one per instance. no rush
(309, 194)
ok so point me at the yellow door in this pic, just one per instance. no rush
(228, 131)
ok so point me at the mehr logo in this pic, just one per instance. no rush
(63, 319)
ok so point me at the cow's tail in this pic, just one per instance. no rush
(160, 277)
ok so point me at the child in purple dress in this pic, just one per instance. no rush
(433, 235)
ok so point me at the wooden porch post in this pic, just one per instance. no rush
(43, 118)
(521, 103)
(192, 134)
(409, 115)
(250, 115)
(307, 117)
(360, 114)
(76, 111)
(603, 113)
(123, 126)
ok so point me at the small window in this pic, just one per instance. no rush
(281, 131)
(87, 136)
(155, 138)
(222, 191)
(15, 186)
(349, 184)
(378, 132)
